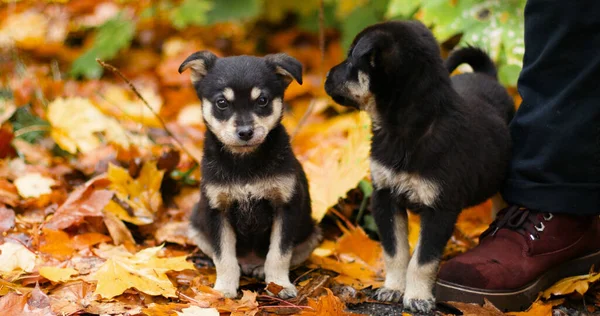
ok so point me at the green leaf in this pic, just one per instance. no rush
(509, 74)
(227, 10)
(356, 21)
(190, 12)
(111, 37)
(402, 8)
(23, 118)
(369, 223)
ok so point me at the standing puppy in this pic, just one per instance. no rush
(254, 214)
(438, 146)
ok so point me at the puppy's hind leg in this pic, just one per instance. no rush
(228, 269)
(279, 257)
(392, 224)
(436, 229)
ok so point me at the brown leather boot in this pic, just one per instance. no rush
(522, 253)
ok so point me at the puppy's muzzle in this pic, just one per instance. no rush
(245, 133)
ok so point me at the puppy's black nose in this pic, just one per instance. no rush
(245, 132)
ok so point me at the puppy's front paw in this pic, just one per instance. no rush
(228, 292)
(384, 294)
(420, 306)
(288, 291)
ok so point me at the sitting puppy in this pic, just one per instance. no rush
(439, 144)
(254, 209)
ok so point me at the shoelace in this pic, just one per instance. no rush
(521, 220)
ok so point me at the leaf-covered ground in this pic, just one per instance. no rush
(96, 186)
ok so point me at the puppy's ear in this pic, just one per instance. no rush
(200, 63)
(371, 45)
(288, 67)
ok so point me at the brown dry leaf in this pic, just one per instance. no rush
(6, 139)
(207, 297)
(7, 219)
(327, 304)
(38, 303)
(538, 308)
(357, 243)
(143, 271)
(119, 233)
(71, 297)
(488, 309)
(175, 232)
(87, 240)
(579, 284)
(8, 193)
(13, 303)
(142, 195)
(86, 201)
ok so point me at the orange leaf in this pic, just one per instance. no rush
(13, 303)
(88, 239)
(56, 243)
(579, 284)
(327, 304)
(488, 309)
(538, 308)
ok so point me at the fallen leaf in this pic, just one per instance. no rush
(72, 297)
(346, 162)
(142, 194)
(208, 297)
(119, 233)
(117, 101)
(579, 284)
(8, 193)
(357, 243)
(538, 308)
(170, 309)
(488, 309)
(38, 303)
(175, 232)
(56, 243)
(32, 185)
(86, 201)
(327, 304)
(15, 256)
(13, 303)
(56, 274)
(7, 219)
(87, 240)
(143, 271)
(199, 311)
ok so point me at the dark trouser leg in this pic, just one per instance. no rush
(555, 165)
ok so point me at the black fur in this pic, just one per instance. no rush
(272, 157)
(452, 131)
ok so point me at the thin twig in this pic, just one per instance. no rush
(133, 88)
(192, 300)
(312, 103)
(342, 217)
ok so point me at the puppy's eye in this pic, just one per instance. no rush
(262, 101)
(222, 104)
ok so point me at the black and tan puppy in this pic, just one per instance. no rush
(254, 214)
(439, 144)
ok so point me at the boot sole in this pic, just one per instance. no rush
(519, 299)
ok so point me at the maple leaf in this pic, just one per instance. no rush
(56, 274)
(346, 164)
(538, 308)
(143, 271)
(488, 309)
(117, 101)
(142, 194)
(33, 185)
(15, 256)
(86, 201)
(327, 304)
(13, 303)
(578, 283)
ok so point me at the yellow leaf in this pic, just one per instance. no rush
(143, 271)
(27, 30)
(15, 256)
(538, 308)
(346, 7)
(119, 102)
(142, 195)
(33, 185)
(56, 274)
(579, 284)
(76, 123)
(335, 165)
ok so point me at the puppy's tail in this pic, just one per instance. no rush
(478, 59)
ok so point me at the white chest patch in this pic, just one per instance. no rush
(416, 188)
(278, 189)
